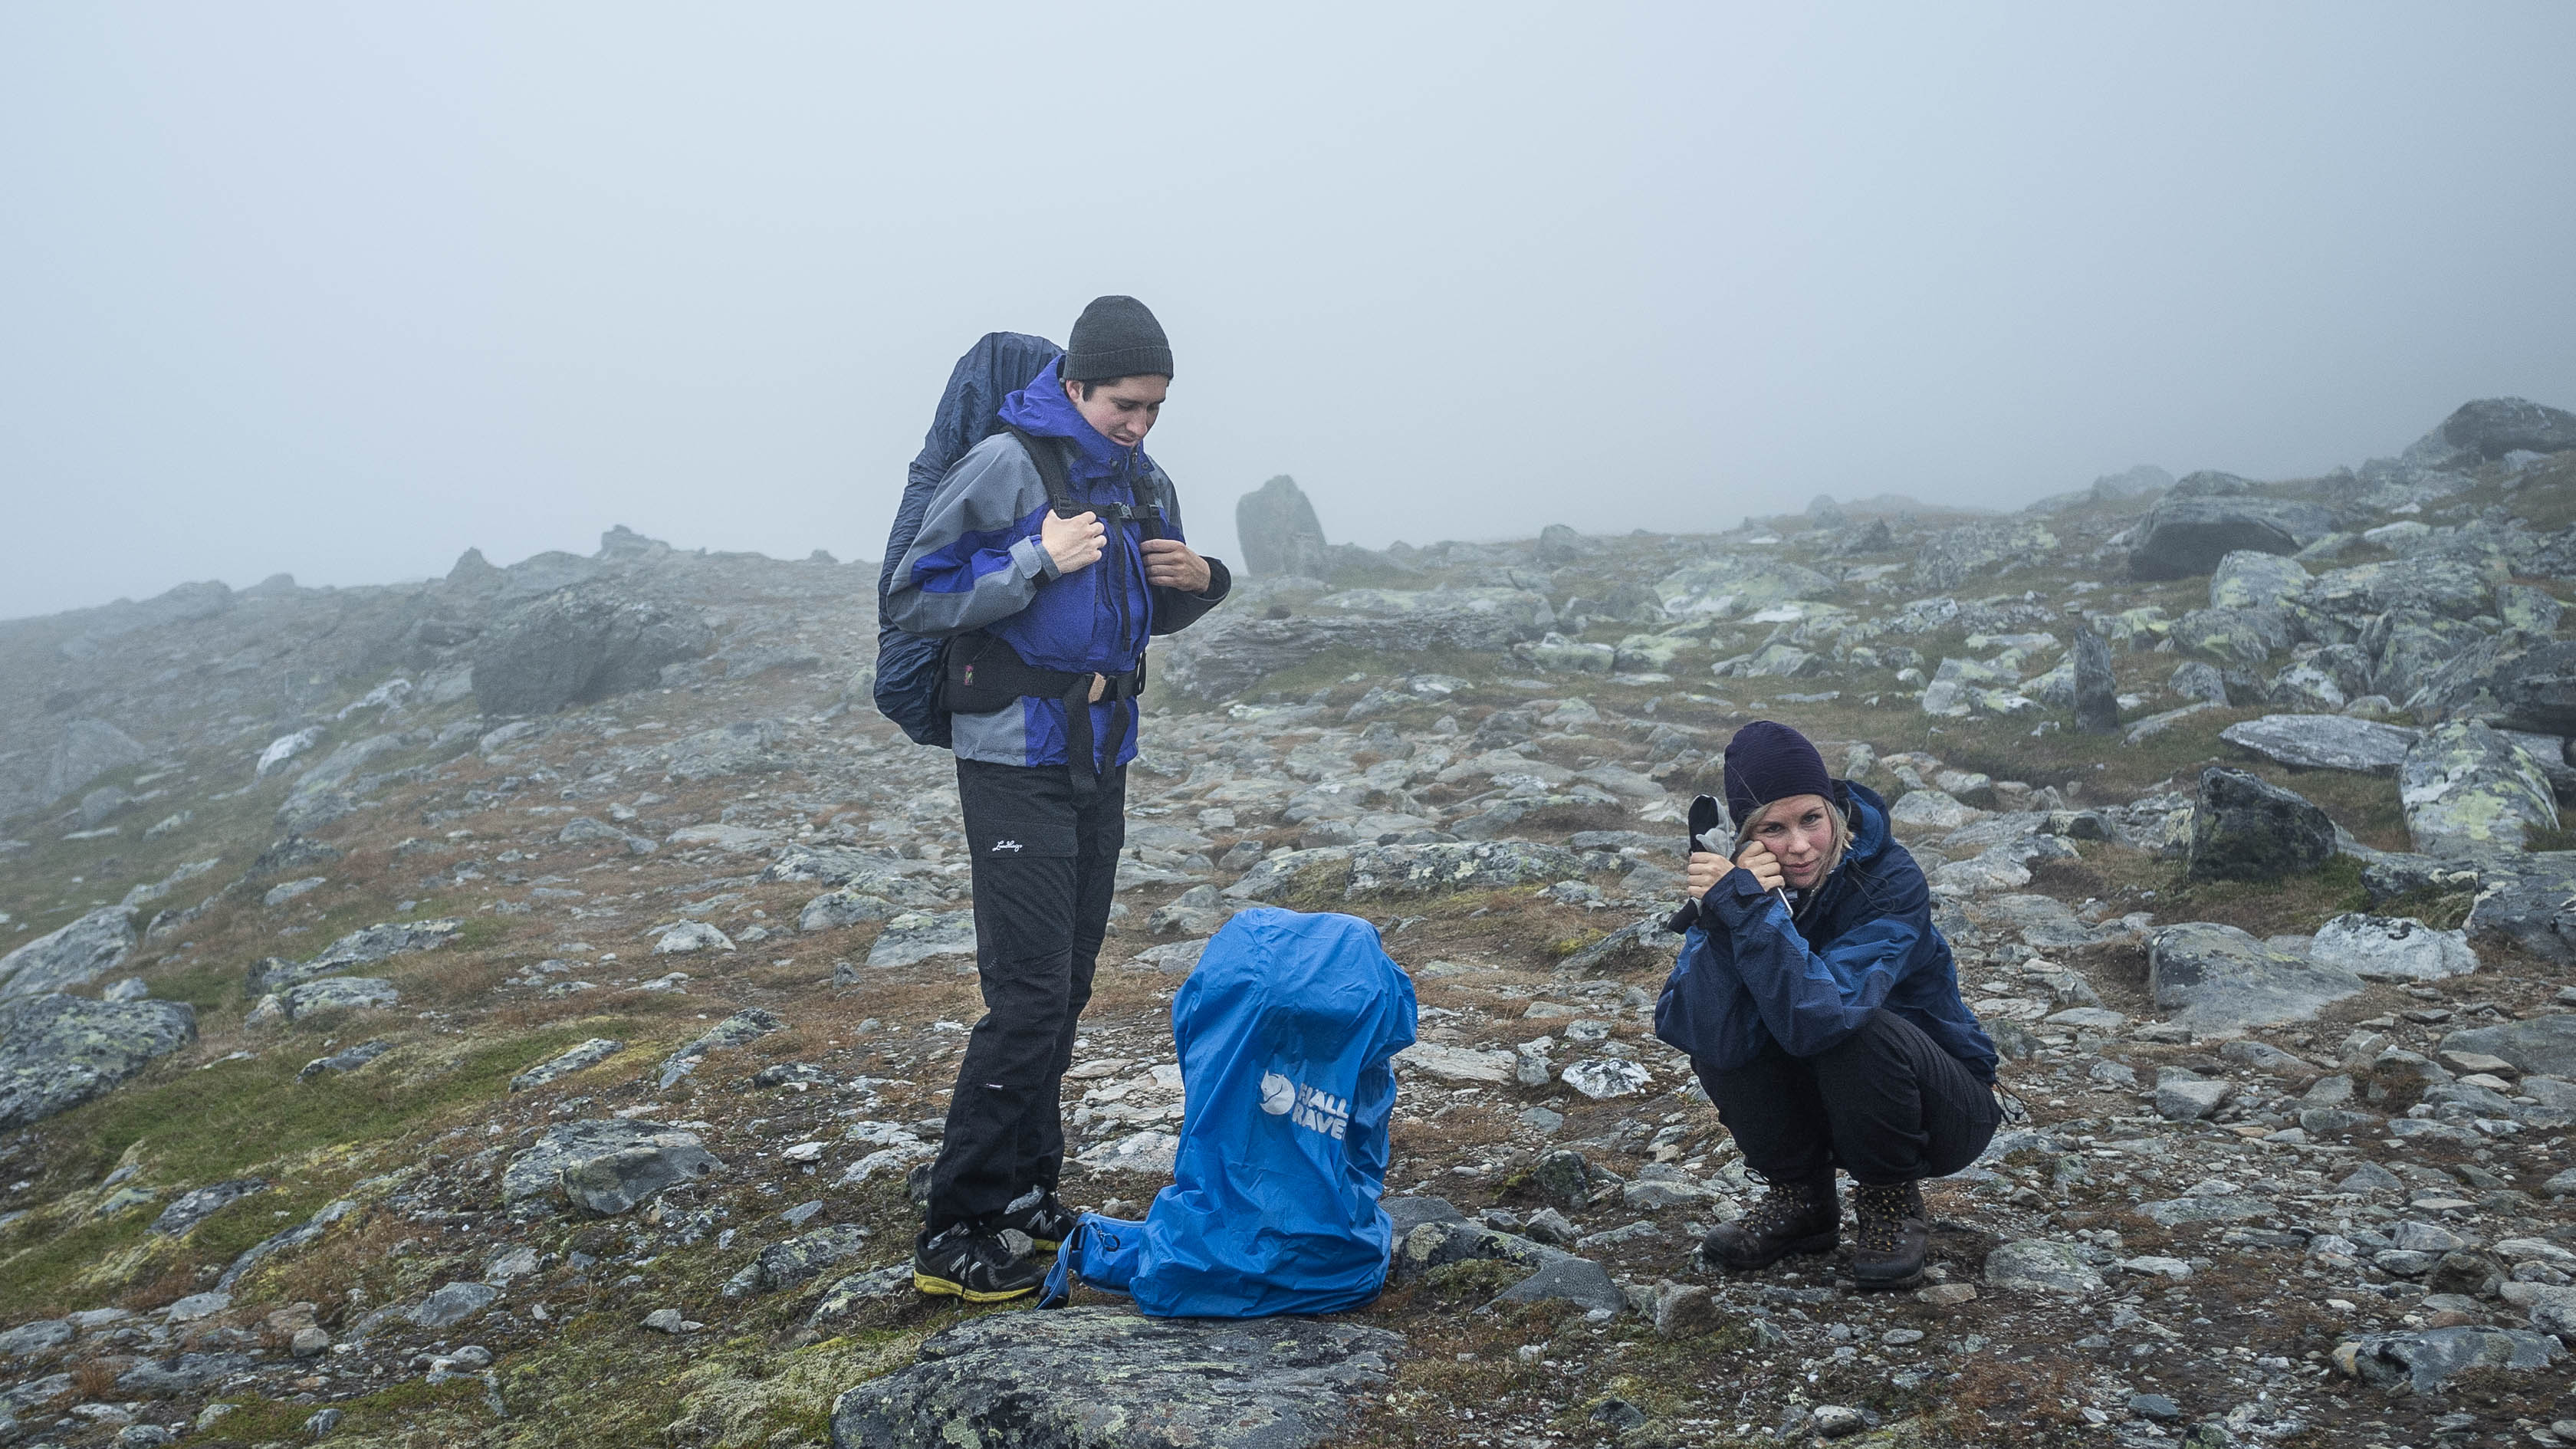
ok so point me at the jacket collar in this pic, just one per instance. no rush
(1043, 409)
(1867, 810)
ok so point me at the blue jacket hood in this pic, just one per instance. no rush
(1043, 409)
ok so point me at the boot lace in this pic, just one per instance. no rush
(1882, 1212)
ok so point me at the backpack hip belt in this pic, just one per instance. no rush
(984, 674)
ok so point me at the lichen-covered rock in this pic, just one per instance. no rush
(2529, 900)
(365, 947)
(2245, 828)
(2324, 742)
(576, 1059)
(919, 935)
(2536, 689)
(740, 1029)
(58, 1051)
(2487, 428)
(195, 1207)
(2041, 1266)
(744, 747)
(337, 993)
(2540, 1046)
(1099, 1378)
(622, 1178)
(2215, 978)
(2424, 1359)
(1727, 587)
(2188, 534)
(72, 955)
(2245, 637)
(451, 1304)
(1554, 1273)
(538, 1170)
(2250, 580)
(2392, 948)
(1228, 651)
(799, 1259)
(834, 910)
(577, 646)
(1418, 870)
(2467, 789)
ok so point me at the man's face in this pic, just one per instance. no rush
(1122, 410)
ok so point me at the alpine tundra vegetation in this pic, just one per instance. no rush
(518, 1008)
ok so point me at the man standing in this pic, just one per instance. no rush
(1048, 557)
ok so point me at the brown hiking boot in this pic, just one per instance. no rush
(1895, 1231)
(1793, 1217)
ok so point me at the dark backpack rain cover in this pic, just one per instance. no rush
(907, 684)
(1286, 1030)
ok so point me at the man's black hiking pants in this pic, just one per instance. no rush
(1884, 1104)
(1045, 867)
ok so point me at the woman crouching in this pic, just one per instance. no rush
(1822, 1012)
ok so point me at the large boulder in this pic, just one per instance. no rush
(2425, 583)
(1278, 532)
(57, 1051)
(2187, 534)
(2490, 427)
(1103, 1378)
(1226, 654)
(72, 955)
(576, 647)
(1728, 587)
(2245, 828)
(2215, 978)
(2467, 789)
(2529, 900)
(2250, 580)
(2543, 1046)
(2324, 742)
(2536, 690)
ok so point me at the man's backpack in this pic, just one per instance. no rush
(1287, 1030)
(909, 667)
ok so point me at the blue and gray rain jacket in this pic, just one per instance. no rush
(1862, 940)
(978, 564)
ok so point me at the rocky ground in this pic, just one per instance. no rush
(509, 1009)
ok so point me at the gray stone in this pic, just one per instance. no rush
(2242, 638)
(2247, 580)
(71, 955)
(346, 1060)
(2536, 690)
(745, 747)
(582, 830)
(2184, 535)
(802, 1258)
(2391, 948)
(1230, 651)
(577, 646)
(2424, 1359)
(451, 1304)
(538, 1170)
(2540, 1046)
(2245, 828)
(1279, 533)
(1416, 870)
(2215, 978)
(187, 1374)
(2042, 1266)
(286, 1239)
(2324, 742)
(2466, 788)
(366, 947)
(914, 937)
(337, 993)
(195, 1207)
(58, 1051)
(834, 910)
(740, 1029)
(2198, 679)
(1098, 1378)
(2529, 900)
(2097, 706)
(1563, 1176)
(1638, 946)
(2488, 428)
(29, 1339)
(623, 1178)
(577, 1059)
(2186, 1096)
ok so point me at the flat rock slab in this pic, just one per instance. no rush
(2467, 789)
(539, 1170)
(73, 955)
(57, 1051)
(2423, 1360)
(2529, 900)
(1103, 1378)
(337, 993)
(2324, 742)
(2211, 977)
(917, 936)
(2541, 1046)
(577, 1059)
(1456, 1063)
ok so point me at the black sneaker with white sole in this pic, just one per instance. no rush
(1042, 1216)
(964, 1262)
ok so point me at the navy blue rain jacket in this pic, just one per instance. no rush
(1861, 941)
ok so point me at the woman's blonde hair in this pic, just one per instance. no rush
(1833, 852)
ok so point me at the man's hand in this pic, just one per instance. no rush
(1765, 866)
(1169, 564)
(1074, 543)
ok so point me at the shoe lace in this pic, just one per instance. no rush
(1882, 1212)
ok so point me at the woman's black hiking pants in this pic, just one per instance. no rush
(1045, 868)
(1885, 1104)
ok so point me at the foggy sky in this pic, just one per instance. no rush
(341, 291)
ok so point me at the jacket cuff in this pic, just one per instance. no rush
(1220, 582)
(1735, 898)
(1033, 557)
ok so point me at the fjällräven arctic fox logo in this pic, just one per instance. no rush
(1308, 1108)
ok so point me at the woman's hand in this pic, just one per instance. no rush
(1706, 867)
(1765, 866)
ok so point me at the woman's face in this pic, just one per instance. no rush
(1800, 832)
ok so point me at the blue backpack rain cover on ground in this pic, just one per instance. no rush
(1285, 1030)
(908, 670)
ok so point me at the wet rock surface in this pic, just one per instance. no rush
(1094, 1378)
(58, 1051)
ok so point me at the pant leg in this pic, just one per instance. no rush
(1101, 831)
(1901, 1108)
(1773, 1107)
(1023, 835)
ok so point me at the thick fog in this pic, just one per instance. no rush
(343, 290)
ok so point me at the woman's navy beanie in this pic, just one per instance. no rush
(1767, 762)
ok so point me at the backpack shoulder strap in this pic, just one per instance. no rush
(1048, 455)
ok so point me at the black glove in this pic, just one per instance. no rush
(1706, 815)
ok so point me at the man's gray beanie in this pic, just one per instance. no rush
(1116, 337)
